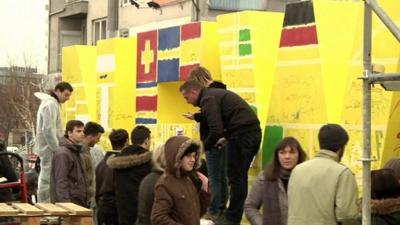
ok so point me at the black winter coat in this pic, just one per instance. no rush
(8, 172)
(130, 167)
(198, 117)
(226, 114)
(105, 193)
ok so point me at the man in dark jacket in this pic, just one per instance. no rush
(67, 180)
(7, 174)
(91, 156)
(92, 133)
(107, 213)
(228, 115)
(130, 167)
(216, 158)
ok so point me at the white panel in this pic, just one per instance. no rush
(104, 107)
(105, 63)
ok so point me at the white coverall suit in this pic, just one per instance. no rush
(49, 129)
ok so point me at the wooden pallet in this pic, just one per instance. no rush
(31, 214)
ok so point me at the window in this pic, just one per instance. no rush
(235, 5)
(99, 30)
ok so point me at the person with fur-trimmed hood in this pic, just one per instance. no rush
(181, 194)
(130, 167)
(385, 198)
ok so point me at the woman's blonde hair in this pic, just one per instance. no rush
(201, 75)
(158, 158)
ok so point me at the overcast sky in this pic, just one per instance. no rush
(23, 31)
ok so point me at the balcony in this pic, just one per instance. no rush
(75, 9)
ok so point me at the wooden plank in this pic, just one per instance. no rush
(28, 209)
(30, 221)
(52, 209)
(7, 210)
(75, 209)
(78, 220)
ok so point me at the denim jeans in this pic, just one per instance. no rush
(241, 151)
(216, 166)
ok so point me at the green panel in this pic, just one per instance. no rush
(244, 35)
(272, 136)
(244, 49)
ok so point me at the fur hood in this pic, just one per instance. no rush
(175, 148)
(131, 156)
(385, 206)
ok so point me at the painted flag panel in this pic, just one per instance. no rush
(168, 54)
(190, 48)
(140, 120)
(146, 59)
(146, 108)
(146, 103)
(299, 36)
(299, 27)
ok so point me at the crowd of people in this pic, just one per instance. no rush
(133, 184)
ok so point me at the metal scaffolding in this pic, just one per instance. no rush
(370, 78)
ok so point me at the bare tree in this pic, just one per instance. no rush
(18, 105)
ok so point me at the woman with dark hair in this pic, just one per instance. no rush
(385, 198)
(270, 188)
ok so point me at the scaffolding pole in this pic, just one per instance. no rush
(370, 78)
(377, 78)
(366, 159)
(384, 18)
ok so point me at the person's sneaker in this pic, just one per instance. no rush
(211, 216)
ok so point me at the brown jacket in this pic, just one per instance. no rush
(89, 171)
(176, 200)
(68, 181)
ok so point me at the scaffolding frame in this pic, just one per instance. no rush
(369, 78)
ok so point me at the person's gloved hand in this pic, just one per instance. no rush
(222, 142)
